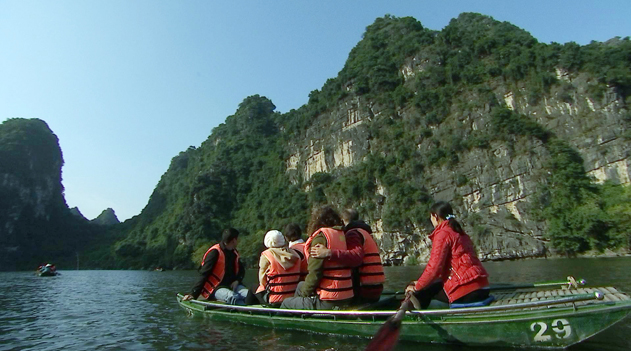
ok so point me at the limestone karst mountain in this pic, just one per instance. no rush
(517, 134)
(529, 142)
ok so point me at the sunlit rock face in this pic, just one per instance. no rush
(491, 189)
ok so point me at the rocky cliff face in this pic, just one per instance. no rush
(491, 188)
(478, 114)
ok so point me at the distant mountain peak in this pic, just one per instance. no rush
(75, 211)
(107, 217)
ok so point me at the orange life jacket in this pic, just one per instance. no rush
(300, 249)
(219, 270)
(371, 269)
(280, 282)
(336, 282)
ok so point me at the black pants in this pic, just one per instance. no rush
(435, 290)
(254, 298)
(260, 298)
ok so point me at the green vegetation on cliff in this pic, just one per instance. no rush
(421, 89)
(238, 176)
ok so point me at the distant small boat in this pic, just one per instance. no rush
(47, 274)
(523, 318)
(159, 269)
(48, 270)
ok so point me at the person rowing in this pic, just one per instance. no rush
(454, 274)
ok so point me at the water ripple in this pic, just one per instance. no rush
(136, 310)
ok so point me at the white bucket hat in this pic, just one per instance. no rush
(274, 238)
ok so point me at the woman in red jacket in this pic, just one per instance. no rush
(454, 273)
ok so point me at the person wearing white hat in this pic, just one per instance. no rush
(279, 270)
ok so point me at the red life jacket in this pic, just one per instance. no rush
(371, 269)
(280, 282)
(336, 282)
(300, 249)
(219, 270)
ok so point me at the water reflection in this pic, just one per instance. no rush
(136, 310)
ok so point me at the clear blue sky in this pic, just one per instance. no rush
(127, 85)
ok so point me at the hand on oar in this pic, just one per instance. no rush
(387, 336)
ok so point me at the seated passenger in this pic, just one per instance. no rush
(328, 284)
(454, 273)
(221, 272)
(293, 234)
(362, 255)
(279, 270)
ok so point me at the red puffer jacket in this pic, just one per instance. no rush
(454, 261)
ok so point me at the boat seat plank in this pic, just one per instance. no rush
(612, 297)
(523, 296)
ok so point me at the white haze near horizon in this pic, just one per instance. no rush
(127, 85)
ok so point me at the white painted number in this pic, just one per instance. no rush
(561, 328)
(539, 336)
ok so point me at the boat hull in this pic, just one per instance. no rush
(553, 328)
(47, 274)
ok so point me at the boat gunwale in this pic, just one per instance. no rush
(467, 310)
(518, 316)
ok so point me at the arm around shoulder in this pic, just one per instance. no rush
(316, 266)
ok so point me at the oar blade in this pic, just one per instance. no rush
(386, 337)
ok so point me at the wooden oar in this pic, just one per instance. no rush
(387, 336)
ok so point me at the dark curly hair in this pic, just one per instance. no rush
(324, 217)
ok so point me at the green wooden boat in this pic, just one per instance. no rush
(523, 318)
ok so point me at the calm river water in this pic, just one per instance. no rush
(136, 310)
